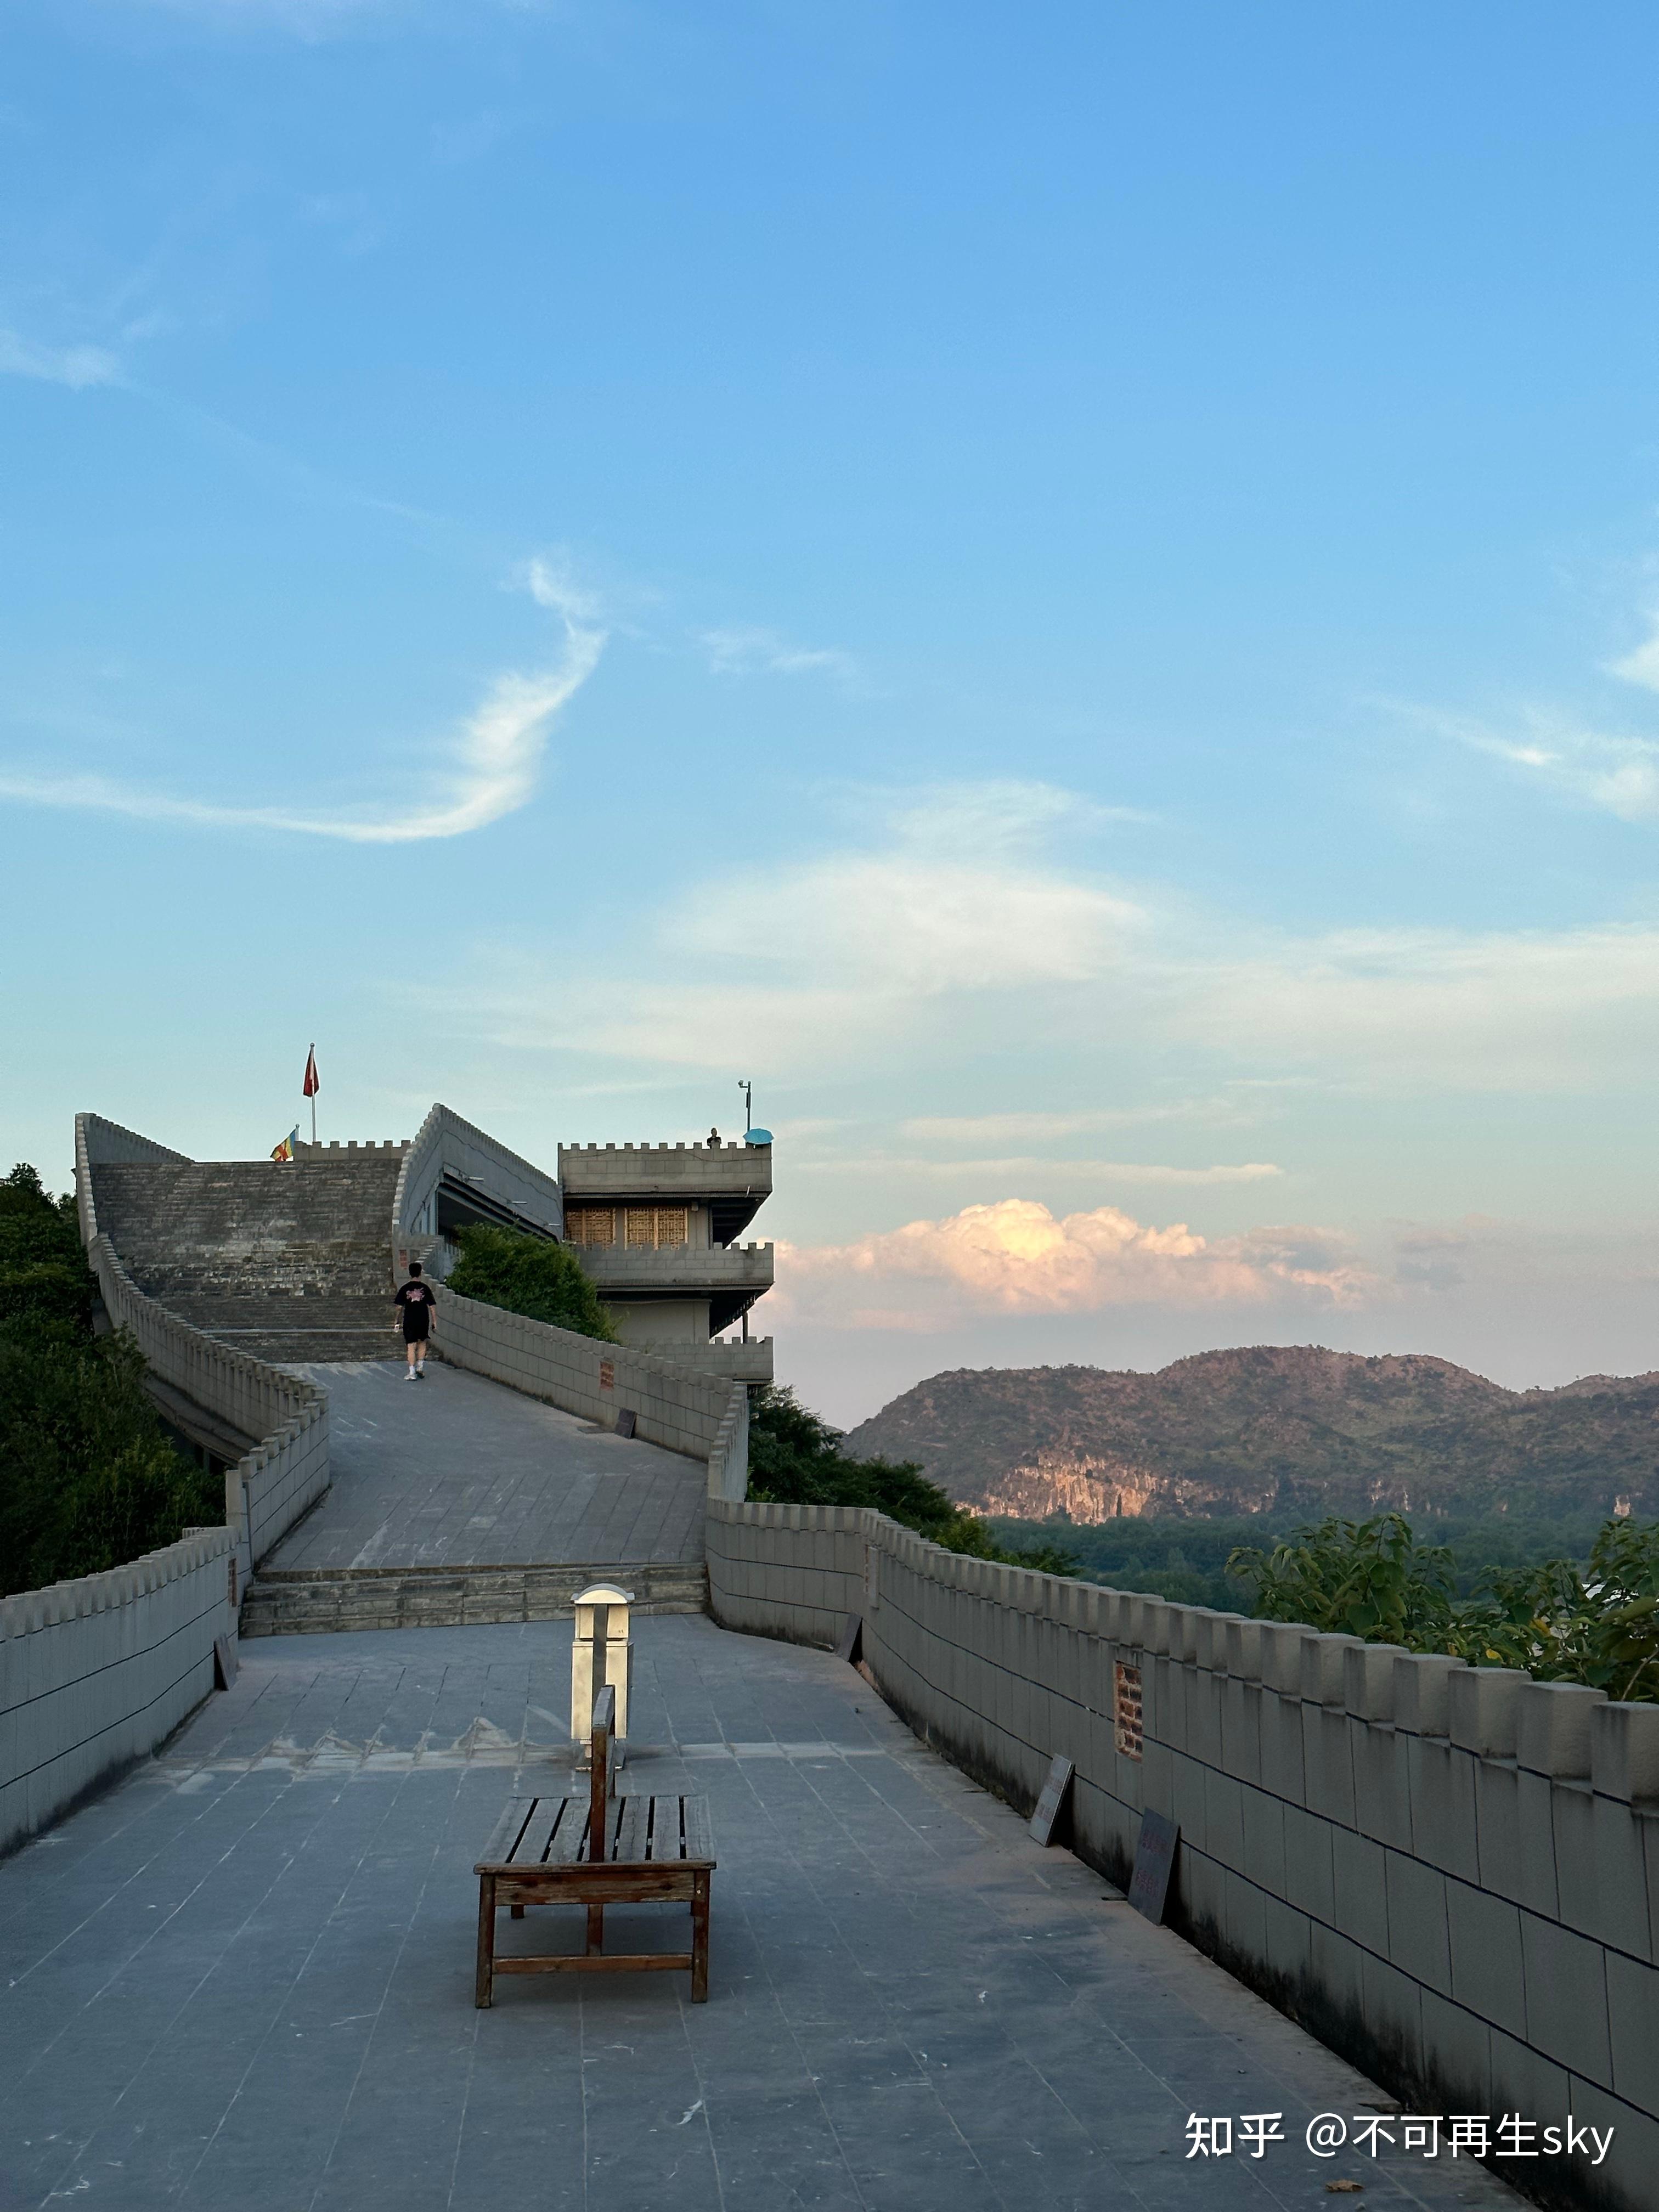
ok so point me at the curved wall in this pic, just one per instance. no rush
(1449, 1873)
(96, 1672)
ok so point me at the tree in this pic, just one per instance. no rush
(530, 1275)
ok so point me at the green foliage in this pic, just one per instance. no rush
(1596, 1623)
(1185, 1559)
(88, 1476)
(1370, 1579)
(794, 1459)
(1182, 1560)
(530, 1275)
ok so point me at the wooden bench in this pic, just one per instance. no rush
(650, 1851)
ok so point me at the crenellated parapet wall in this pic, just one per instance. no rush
(95, 1672)
(287, 1470)
(705, 1417)
(1449, 1873)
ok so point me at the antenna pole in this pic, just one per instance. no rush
(748, 1091)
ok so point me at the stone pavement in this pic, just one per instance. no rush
(244, 1978)
(457, 1471)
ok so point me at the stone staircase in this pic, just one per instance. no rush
(287, 1261)
(300, 1602)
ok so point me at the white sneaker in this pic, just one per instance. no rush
(408, 1374)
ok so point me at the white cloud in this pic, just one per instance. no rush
(78, 367)
(1015, 1257)
(1055, 1128)
(747, 650)
(951, 935)
(497, 757)
(1641, 666)
(1619, 775)
(1026, 1165)
(1388, 1009)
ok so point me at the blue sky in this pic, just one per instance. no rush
(1075, 591)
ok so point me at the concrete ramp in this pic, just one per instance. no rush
(456, 1500)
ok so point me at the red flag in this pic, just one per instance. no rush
(311, 1084)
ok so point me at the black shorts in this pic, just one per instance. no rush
(416, 1327)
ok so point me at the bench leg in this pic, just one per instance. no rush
(484, 1991)
(700, 1941)
(595, 1928)
(518, 1911)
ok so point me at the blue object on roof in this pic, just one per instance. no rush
(758, 1137)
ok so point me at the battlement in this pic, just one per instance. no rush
(734, 1180)
(334, 1148)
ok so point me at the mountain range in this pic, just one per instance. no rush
(1274, 1427)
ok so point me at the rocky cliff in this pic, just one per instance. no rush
(1273, 1426)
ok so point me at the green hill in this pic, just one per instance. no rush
(1278, 1428)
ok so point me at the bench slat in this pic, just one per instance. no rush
(538, 1832)
(565, 1846)
(507, 1831)
(699, 1829)
(665, 1845)
(628, 1832)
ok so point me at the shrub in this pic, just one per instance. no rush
(530, 1275)
(794, 1459)
(1596, 1623)
(88, 1477)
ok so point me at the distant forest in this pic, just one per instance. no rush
(1186, 1560)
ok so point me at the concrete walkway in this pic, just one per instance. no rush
(245, 1977)
(458, 1471)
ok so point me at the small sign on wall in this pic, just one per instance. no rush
(607, 1375)
(1149, 1886)
(1128, 1731)
(1046, 1819)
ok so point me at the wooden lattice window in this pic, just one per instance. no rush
(656, 1225)
(590, 1225)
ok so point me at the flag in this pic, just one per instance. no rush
(285, 1150)
(311, 1084)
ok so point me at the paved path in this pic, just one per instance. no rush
(245, 1978)
(458, 1471)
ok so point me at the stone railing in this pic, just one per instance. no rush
(1449, 1873)
(706, 1417)
(94, 1674)
(679, 1267)
(287, 1470)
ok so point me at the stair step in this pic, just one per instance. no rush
(297, 1601)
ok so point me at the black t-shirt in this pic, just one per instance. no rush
(418, 1303)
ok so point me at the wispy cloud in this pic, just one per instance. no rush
(950, 936)
(748, 651)
(1015, 1257)
(1617, 775)
(78, 367)
(1029, 1127)
(1027, 1166)
(497, 756)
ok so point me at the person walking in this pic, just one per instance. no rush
(417, 1305)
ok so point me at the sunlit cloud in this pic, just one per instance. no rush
(1015, 1257)
(493, 769)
